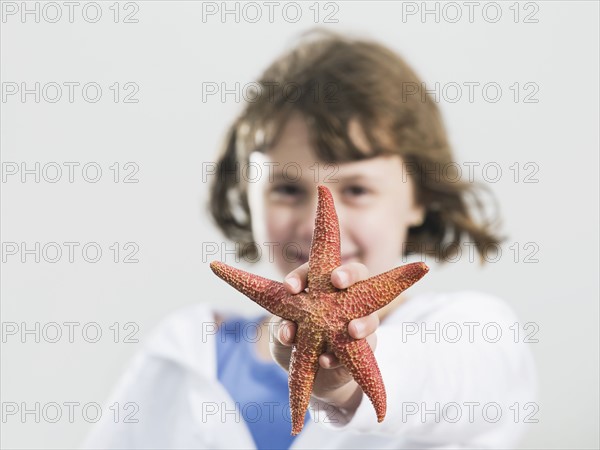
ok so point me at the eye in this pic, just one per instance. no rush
(287, 192)
(355, 190)
(287, 189)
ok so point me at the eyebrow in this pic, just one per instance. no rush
(357, 177)
(336, 177)
(278, 176)
(331, 177)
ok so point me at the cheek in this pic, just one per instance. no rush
(383, 235)
(277, 224)
(380, 234)
(280, 227)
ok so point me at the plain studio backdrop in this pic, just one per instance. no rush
(137, 93)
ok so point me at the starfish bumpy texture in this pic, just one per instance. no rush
(323, 312)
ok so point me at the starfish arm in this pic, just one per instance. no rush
(325, 247)
(269, 294)
(360, 361)
(304, 364)
(367, 296)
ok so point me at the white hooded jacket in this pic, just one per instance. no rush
(473, 388)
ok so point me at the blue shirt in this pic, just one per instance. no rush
(258, 388)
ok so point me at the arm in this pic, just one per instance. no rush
(174, 397)
(429, 384)
(422, 376)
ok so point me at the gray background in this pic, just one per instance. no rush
(170, 132)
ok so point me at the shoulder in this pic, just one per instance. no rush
(185, 337)
(463, 305)
(169, 379)
(462, 331)
(180, 325)
(462, 321)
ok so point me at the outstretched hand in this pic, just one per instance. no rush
(333, 383)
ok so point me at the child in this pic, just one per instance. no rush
(349, 114)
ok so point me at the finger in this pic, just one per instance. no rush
(287, 332)
(329, 361)
(281, 329)
(295, 281)
(364, 326)
(347, 274)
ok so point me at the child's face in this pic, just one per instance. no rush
(373, 198)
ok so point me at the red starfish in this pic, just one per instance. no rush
(322, 314)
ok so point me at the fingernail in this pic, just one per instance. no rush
(284, 333)
(359, 329)
(342, 277)
(293, 282)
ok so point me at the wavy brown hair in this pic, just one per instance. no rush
(330, 79)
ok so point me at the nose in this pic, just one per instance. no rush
(306, 223)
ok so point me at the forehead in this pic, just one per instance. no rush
(295, 139)
(294, 148)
